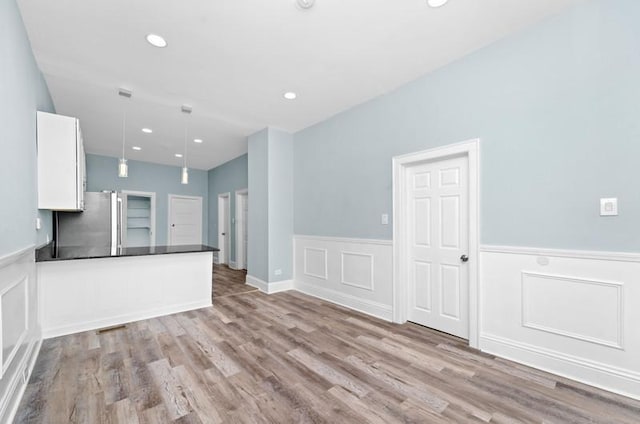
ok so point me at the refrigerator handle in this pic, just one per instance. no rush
(119, 225)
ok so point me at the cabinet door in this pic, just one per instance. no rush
(81, 179)
(59, 179)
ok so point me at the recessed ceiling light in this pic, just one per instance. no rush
(290, 95)
(197, 140)
(305, 4)
(436, 3)
(136, 148)
(156, 40)
(147, 130)
(178, 155)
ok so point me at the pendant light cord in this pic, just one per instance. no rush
(124, 126)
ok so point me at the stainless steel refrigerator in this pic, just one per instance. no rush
(99, 225)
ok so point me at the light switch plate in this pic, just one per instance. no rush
(609, 206)
(38, 223)
(384, 219)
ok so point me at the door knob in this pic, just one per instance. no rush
(224, 234)
(173, 225)
(464, 258)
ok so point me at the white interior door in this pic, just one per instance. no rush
(438, 238)
(185, 220)
(241, 229)
(223, 229)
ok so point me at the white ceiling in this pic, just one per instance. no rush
(233, 59)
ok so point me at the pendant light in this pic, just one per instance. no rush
(184, 179)
(123, 168)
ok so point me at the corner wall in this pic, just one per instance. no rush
(23, 92)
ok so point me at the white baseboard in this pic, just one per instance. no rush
(123, 319)
(378, 310)
(603, 376)
(269, 288)
(18, 384)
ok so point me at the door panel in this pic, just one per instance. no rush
(185, 220)
(438, 280)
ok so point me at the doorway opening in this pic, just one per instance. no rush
(435, 239)
(241, 229)
(138, 218)
(224, 236)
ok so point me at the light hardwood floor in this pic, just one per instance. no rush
(290, 358)
(229, 282)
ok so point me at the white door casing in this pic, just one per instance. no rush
(224, 236)
(185, 220)
(429, 185)
(241, 228)
(437, 230)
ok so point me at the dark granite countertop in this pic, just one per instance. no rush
(48, 253)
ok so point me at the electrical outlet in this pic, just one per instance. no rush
(278, 272)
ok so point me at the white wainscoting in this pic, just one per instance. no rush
(19, 328)
(356, 273)
(573, 313)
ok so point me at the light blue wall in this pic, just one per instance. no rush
(102, 174)
(557, 109)
(22, 92)
(258, 225)
(226, 178)
(280, 172)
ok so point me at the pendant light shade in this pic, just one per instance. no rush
(123, 168)
(185, 175)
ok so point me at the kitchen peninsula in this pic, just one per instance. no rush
(87, 288)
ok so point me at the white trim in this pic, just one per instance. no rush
(13, 257)
(241, 264)
(368, 307)
(224, 242)
(371, 286)
(180, 196)
(563, 253)
(618, 344)
(401, 165)
(125, 318)
(344, 239)
(6, 363)
(603, 376)
(16, 387)
(269, 288)
(326, 265)
(152, 218)
(232, 265)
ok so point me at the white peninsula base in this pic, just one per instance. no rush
(87, 294)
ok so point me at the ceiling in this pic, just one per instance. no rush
(232, 60)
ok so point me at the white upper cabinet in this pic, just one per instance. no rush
(61, 163)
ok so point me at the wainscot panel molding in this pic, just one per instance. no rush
(355, 273)
(269, 288)
(569, 312)
(20, 336)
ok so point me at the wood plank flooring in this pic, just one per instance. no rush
(227, 282)
(290, 358)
